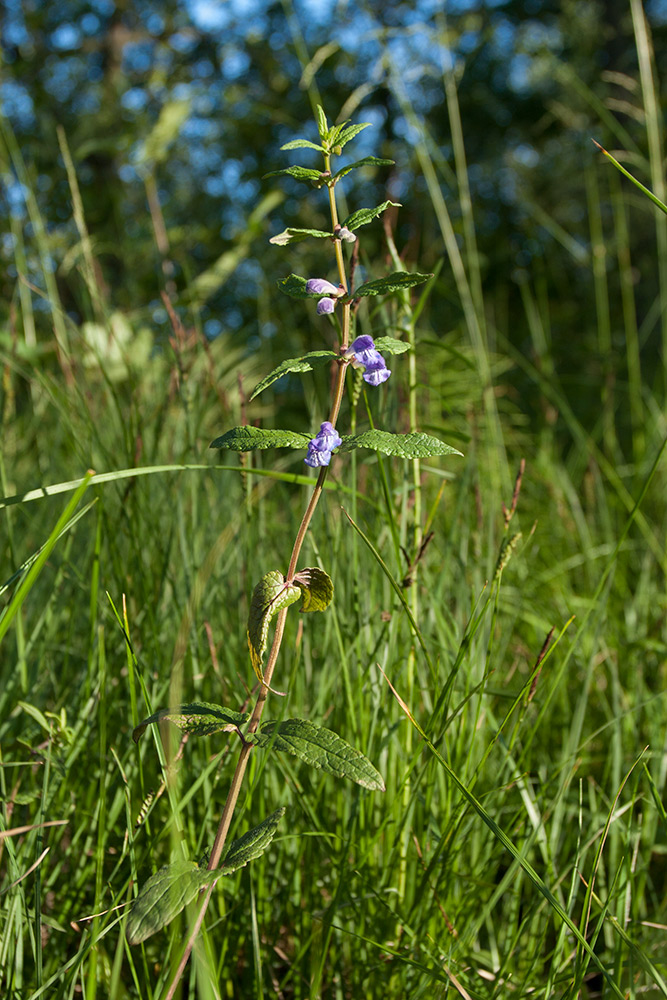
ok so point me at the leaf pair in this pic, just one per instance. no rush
(170, 890)
(359, 218)
(413, 445)
(319, 747)
(317, 359)
(295, 286)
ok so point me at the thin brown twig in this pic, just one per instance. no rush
(246, 748)
(538, 665)
(509, 514)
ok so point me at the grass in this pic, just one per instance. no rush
(519, 849)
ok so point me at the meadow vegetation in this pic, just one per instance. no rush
(497, 644)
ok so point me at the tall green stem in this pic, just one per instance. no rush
(407, 325)
(244, 755)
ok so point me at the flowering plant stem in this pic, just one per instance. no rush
(244, 755)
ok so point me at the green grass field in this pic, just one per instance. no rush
(519, 848)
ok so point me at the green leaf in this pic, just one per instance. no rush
(322, 749)
(306, 363)
(170, 890)
(297, 235)
(412, 445)
(390, 345)
(334, 132)
(252, 844)
(316, 588)
(349, 133)
(252, 438)
(295, 286)
(163, 896)
(301, 173)
(200, 718)
(368, 161)
(649, 194)
(322, 125)
(365, 215)
(392, 283)
(270, 595)
(302, 144)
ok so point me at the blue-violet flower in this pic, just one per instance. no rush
(318, 286)
(363, 354)
(321, 446)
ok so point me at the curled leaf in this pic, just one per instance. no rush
(270, 595)
(306, 363)
(316, 588)
(297, 235)
(200, 719)
(251, 844)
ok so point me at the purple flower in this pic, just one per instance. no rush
(363, 354)
(317, 286)
(320, 286)
(321, 446)
(325, 305)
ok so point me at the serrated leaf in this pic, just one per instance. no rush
(322, 125)
(253, 438)
(365, 215)
(390, 345)
(302, 144)
(252, 844)
(414, 445)
(322, 749)
(297, 235)
(349, 133)
(334, 132)
(200, 719)
(295, 286)
(270, 595)
(306, 363)
(316, 588)
(163, 896)
(368, 161)
(301, 173)
(392, 283)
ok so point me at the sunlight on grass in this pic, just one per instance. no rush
(502, 664)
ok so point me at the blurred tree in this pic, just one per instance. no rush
(174, 112)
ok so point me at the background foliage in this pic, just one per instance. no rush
(135, 138)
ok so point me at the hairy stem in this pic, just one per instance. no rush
(244, 755)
